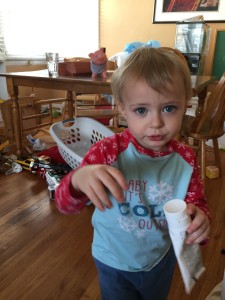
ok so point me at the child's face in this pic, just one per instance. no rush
(153, 118)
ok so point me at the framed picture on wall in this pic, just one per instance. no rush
(172, 11)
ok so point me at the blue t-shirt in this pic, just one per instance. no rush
(133, 235)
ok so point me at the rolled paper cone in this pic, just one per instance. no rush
(188, 256)
(176, 215)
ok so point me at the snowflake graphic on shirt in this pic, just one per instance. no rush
(160, 193)
(129, 225)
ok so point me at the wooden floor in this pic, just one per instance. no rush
(47, 255)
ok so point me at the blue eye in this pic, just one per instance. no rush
(169, 108)
(140, 110)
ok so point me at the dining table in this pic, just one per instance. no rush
(74, 85)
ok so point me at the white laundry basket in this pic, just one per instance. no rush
(74, 137)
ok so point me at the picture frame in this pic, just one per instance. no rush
(166, 11)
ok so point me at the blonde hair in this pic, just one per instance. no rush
(156, 66)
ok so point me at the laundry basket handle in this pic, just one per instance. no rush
(72, 121)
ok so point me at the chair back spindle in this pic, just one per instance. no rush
(209, 125)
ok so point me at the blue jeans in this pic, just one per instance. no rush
(144, 285)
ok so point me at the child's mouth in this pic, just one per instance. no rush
(155, 138)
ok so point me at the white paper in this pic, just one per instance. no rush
(188, 256)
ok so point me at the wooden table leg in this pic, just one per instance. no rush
(13, 92)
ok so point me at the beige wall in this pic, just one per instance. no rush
(126, 21)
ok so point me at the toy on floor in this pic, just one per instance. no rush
(7, 163)
(54, 155)
(53, 179)
(31, 139)
(40, 165)
(212, 172)
(9, 166)
(4, 145)
(98, 63)
(37, 144)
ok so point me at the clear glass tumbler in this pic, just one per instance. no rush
(52, 59)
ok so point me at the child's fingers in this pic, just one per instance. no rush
(199, 219)
(198, 236)
(191, 209)
(97, 180)
(115, 182)
(118, 176)
(198, 230)
(99, 197)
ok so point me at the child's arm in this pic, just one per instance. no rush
(67, 200)
(91, 180)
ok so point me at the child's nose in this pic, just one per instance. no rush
(156, 120)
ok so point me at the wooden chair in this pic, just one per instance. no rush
(32, 119)
(42, 120)
(208, 126)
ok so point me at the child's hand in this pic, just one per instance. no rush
(95, 180)
(198, 230)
